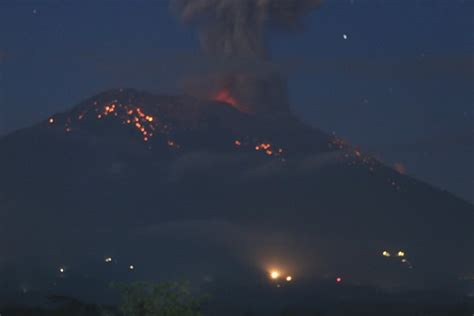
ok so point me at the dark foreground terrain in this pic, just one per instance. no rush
(178, 299)
(362, 309)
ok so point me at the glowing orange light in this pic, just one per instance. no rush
(400, 168)
(225, 96)
(289, 278)
(274, 275)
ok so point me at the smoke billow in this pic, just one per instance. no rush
(235, 29)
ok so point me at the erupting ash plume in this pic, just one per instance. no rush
(236, 29)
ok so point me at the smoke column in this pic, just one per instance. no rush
(235, 29)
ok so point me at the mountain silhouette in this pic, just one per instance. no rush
(193, 188)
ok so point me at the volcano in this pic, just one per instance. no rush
(179, 186)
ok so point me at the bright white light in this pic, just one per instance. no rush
(386, 253)
(289, 278)
(344, 36)
(131, 267)
(275, 275)
(61, 270)
(401, 253)
(108, 259)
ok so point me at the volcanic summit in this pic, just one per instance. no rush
(198, 187)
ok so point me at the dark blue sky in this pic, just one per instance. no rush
(400, 85)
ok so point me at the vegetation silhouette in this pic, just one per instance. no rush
(153, 299)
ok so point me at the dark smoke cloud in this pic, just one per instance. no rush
(235, 29)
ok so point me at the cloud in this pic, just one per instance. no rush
(207, 163)
(264, 170)
(237, 28)
(317, 161)
(211, 165)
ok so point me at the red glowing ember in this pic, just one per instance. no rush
(225, 96)
(400, 168)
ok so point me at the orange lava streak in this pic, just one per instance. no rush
(225, 96)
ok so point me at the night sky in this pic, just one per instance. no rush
(395, 77)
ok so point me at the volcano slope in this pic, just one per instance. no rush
(181, 187)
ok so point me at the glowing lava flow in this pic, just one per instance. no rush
(225, 96)
(146, 124)
(355, 156)
(264, 147)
